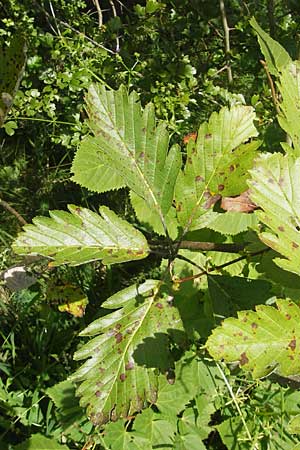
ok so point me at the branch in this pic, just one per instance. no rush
(211, 246)
(100, 16)
(221, 266)
(13, 212)
(227, 40)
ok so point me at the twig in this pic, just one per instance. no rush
(115, 15)
(221, 266)
(211, 246)
(227, 40)
(54, 17)
(13, 212)
(100, 15)
(272, 87)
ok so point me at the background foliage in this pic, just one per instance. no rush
(172, 54)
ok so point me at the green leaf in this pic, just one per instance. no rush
(155, 427)
(193, 376)
(134, 146)
(150, 218)
(130, 346)
(275, 55)
(231, 294)
(12, 63)
(116, 437)
(275, 188)
(212, 162)
(81, 236)
(40, 442)
(256, 340)
(91, 169)
(71, 416)
(230, 222)
(289, 86)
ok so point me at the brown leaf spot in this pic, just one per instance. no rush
(243, 359)
(199, 178)
(142, 155)
(221, 187)
(129, 365)
(281, 228)
(122, 377)
(254, 325)
(208, 136)
(292, 344)
(190, 136)
(159, 306)
(294, 245)
(288, 316)
(231, 168)
(98, 393)
(118, 337)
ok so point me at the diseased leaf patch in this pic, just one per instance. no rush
(275, 188)
(81, 236)
(128, 352)
(261, 342)
(217, 164)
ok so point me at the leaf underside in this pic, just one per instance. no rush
(275, 188)
(256, 340)
(82, 236)
(129, 348)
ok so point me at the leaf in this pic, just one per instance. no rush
(81, 236)
(91, 169)
(212, 162)
(134, 146)
(193, 375)
(70, 415)
(151, 219)
(120, 376)
(241, 203)
(275, 55)
(40, 442)
(70, 297)
(12, 63)
(289, 86)
(116, 437)
(275, 188)
(256, 340)
(229, 223)
(231, 294)
(154, 427)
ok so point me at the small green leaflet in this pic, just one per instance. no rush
(12, 63)
(215, 162)
(256, 340)
(130, 346)
(134, 146)
(275, 188)
(82, 236)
